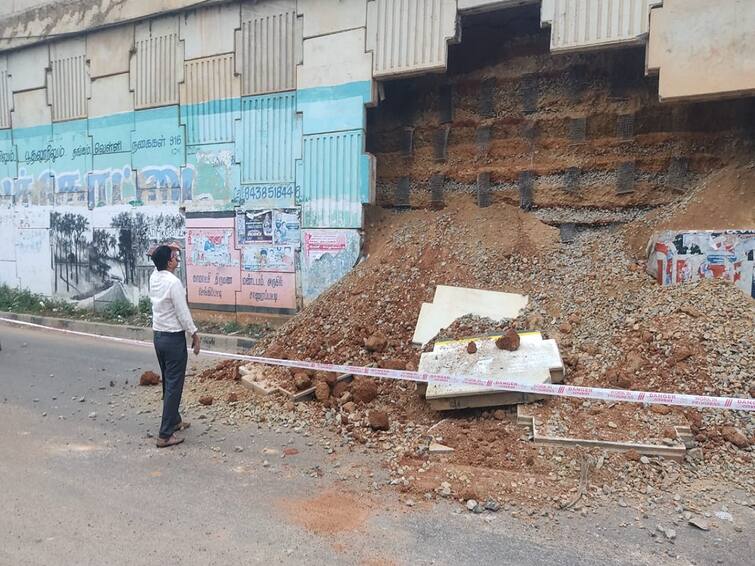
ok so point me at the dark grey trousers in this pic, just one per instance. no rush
(172, 356)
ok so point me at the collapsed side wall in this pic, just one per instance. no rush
(509, 121)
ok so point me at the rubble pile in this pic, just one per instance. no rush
(614, 325)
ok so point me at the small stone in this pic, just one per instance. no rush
(265, 464)
(660, 409)
(410, 503)
(44, 414)
(206, 400)
(149, 378)
(508, 341)
(238, 448)
(445, 489)
(499, 415)
(92, 415)
(471, 504)
(322, 391)
(735, 436)
(302, 381)
(471, 348)
(376, 343)
(644, 460)
(612, 424)
(700, 523)
(632, 455)
(725, 516)
(378, 420)
(492, 505)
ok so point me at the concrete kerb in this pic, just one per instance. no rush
(217, 342)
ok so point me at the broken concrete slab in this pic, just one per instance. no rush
(252, 377)
(536, 361)
(437, 448)
(450, 303)
(676, 453)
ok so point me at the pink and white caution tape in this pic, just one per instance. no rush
(598, 393)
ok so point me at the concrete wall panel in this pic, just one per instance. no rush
(703, 49)
(68, 85)
(477, 6)
(335, 180)
(268, 47)
(111, 95)
(30, 109)
(335, 59)
(210, 31)
(210, 99)
(6, 96)
(270, 137)
(157, 64)
(322, 17)
(109, 50)
(581, 24)
(27, 67)
(410, 36)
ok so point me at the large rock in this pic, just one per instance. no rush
(364, 390)
(322, 391)
(735, 436)
(378, 420)
(302, 381)
(508, 341)
(149, 378)
(376, 343)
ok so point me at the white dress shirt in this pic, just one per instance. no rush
(170, 312)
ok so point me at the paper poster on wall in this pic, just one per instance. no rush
(254, 226)
(680, 257)
(263, 290)
(212, 266)
(261, 257)
(286, 227)
(327, 256)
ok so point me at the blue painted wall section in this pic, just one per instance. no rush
(301, 151)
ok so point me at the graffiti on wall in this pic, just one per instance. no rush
(327, 256)
(680, 257)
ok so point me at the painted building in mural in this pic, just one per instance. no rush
(237, 128)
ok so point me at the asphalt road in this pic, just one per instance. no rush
(82, 488)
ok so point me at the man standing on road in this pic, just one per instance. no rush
(171, 320)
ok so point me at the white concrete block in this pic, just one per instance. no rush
(27, 67)
(322, 17)
(451, 303)
(109, 50)
(334, 59)
(209, 31)
(30, 109)
(531, 364)
(111, 95)
(703, 49)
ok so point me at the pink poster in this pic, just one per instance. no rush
(260, 289)
(212, 266)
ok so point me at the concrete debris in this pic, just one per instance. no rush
(436, 448)
(700, 523)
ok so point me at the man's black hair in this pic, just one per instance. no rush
(161, 257)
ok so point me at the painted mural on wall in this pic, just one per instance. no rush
(327, 256)
(680, 257)
(81, 199)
